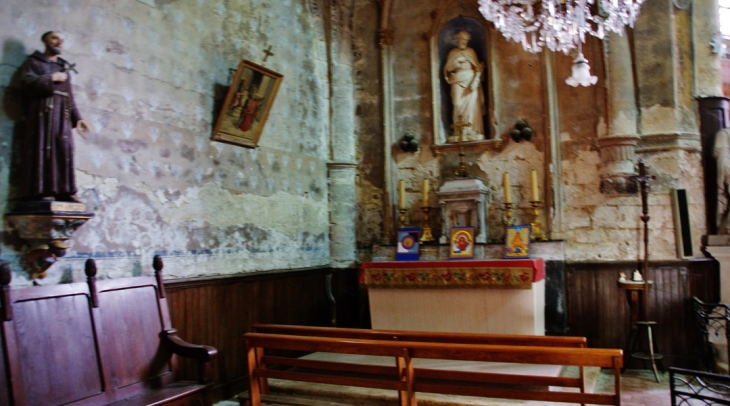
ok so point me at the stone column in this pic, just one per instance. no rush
(663, 63)
(706, 38)
(342, 213)
(619, 145)
(385, 39)
(342, 166)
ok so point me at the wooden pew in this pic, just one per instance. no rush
(403, 377)
(95, 343)
(423, 336)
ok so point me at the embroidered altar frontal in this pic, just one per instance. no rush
(497, 274)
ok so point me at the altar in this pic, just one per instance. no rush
(469, 296)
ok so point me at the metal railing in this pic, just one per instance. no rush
(710, 319)
(689, 387)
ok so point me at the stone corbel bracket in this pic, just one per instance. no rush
(46, 226)
(618, 154)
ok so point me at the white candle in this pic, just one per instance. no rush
(507, 191)
(401, 194)
(425, 192)
(533, 184)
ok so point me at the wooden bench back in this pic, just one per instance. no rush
(51, 342)
(423, 336)
(598, 357)
(85, 343)
(132, 316)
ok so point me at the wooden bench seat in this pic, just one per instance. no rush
(407, 380)
(96, 343)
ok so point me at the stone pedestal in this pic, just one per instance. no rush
(464, 202)
(46, 226)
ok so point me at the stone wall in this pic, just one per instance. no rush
(152, 77)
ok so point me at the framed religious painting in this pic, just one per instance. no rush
(517, 241)
(407, 249)
(461, 244)
(247, 105)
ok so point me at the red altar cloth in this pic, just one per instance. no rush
(495, 273)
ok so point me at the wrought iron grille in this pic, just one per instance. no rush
(693, 388)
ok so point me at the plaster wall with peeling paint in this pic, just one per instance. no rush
(152, 76)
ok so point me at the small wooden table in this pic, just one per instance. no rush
(635, 291)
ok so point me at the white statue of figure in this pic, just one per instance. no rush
(463, 72)
(721, 152)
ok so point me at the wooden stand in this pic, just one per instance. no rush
(636, 292)
(639, 290)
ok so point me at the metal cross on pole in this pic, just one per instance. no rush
(459, 126)
(645, 180)
(644, 183)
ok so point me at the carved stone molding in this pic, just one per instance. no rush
(618, 148)
(618, 154)
(675, 141)
(471, 146)
(619, 184)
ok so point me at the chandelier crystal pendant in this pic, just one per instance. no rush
(559, 25)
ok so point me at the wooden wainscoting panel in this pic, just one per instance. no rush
(218, 311)
(599, 310)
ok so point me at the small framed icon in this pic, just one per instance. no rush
(407, 249)
(462, 243)
(517, 241)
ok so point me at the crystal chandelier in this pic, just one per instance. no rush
(558, 25)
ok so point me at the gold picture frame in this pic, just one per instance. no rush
(461, 244)
(247, 105)
(517, 241)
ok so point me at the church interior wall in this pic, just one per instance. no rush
(152, 77)
(596, 226)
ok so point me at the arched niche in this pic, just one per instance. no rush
(453, 17)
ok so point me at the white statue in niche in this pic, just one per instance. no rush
(721, 152)
(463, 72)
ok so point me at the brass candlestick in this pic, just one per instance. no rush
(402, 219)
(537, 234)
(427, 236)
(508, 220)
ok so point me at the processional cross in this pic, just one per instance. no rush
(644, 182)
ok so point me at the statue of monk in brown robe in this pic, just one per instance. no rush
(51, 116)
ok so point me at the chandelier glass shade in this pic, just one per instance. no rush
(581, 72)
(559, 25)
